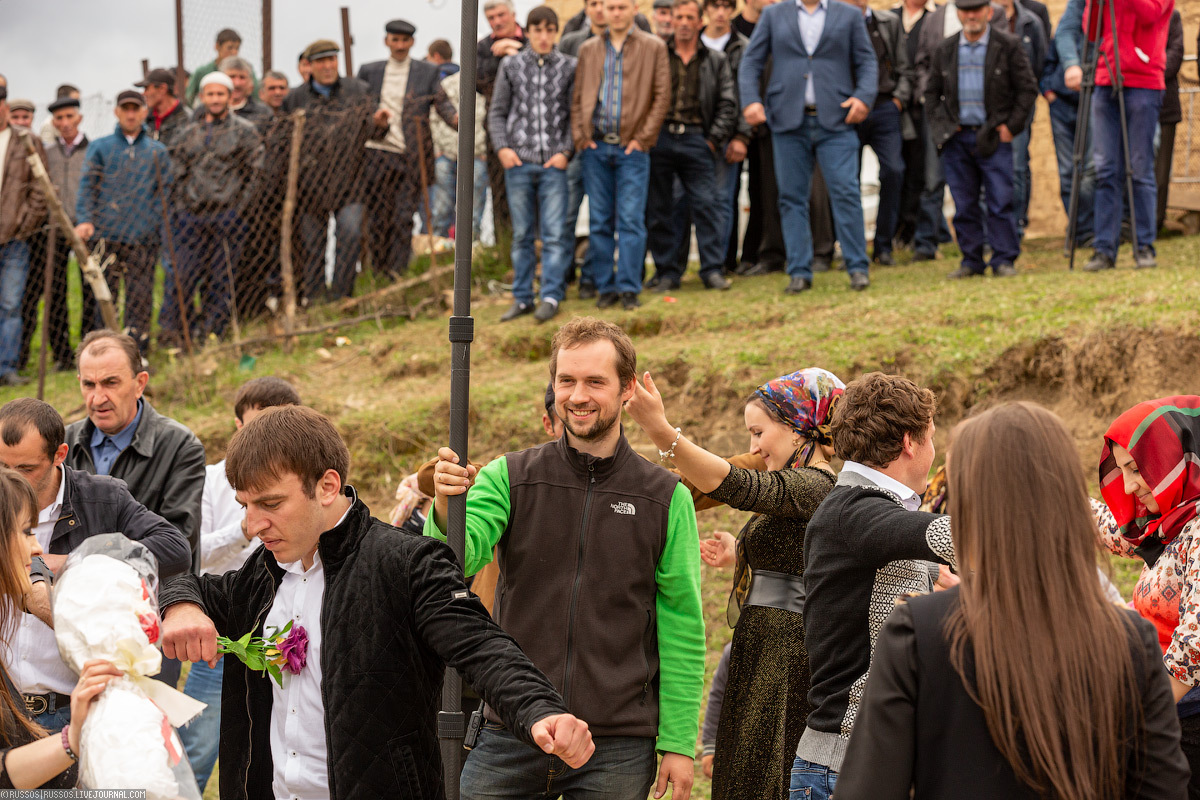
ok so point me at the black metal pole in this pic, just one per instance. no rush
(451, 729)
(1083, 129)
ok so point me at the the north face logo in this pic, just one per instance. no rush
(624, 508)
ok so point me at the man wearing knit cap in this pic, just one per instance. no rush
(217, 159)
(405, 89)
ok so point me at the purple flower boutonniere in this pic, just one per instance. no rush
(285, 649)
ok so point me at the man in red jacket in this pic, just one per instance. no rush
(1141, 36)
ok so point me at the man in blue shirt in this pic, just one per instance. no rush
(977, 100)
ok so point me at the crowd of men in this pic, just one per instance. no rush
(654, 128)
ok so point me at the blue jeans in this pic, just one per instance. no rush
(616, 186)
(811, 781)
(445, 194)
(14, 269)
(313, 229)
(1022, 177)
(53, 721)
(203, 263)
(1063, 119)
(967, 172)
(932, 229)
(502, 766)
(1141, 114)
(837, 153)
(538, 194)
(202, 737)
(688, 158)
(881, 130)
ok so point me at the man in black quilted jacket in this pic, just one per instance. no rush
(376, 614)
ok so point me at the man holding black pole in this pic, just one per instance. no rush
(1131, 65)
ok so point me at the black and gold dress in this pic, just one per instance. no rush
(766, 699)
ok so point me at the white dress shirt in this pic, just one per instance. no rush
(910, 499)
(811, 27)
(951, 24)
(298, 746)
(223, 546)
(32, 658)
(391, 97)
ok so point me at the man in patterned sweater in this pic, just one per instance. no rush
(530, 126)
(866, 545)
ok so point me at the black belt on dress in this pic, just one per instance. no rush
(776, 590)
(41, 703)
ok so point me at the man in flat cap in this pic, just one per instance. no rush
(662, 18)
(20, 112)
(22, 211)
(125, 176)
(974, 113)
(406, 89)
(342, 117)
(64, 163)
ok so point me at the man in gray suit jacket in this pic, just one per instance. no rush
(406, 88)
(824, 82)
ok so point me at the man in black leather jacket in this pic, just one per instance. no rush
(383, 612)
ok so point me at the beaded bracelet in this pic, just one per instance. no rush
(66, 743)
(664, 455)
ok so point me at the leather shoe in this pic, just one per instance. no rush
(859, 281)
(885, 259)
(822, 264)
(754, 270)
(923, 255)
(607, 300)
(518, 309)
(797, 285)
(587, 290)
(1099, 261)
(1004, 271)
(664, 284)
(715, 280)
(629, 301)
(653, 282)
(745, 268)
(546, 311)
(963, 272)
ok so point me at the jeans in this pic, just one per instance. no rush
(502, 766)
(202, 737)
(313, 229)
(14, 269)
(811, 781)
(1141, 113)
(968, 172)
(616, 185)
(686, 156)
(881, 130)
(208, 248)
(837, 152)
(446, 194)
(1063, 119)
(575, 196)
(539, 194)
(931, 225)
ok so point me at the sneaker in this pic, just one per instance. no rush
(1145, 259)
(715, 280)
(1004, 271)
(518, 309)
(546, 311)
(629, 301)
(963, 272)
(798, 285)
(1098, 262)
(587, 289)
(859, 281)
(607, 300)
(885, 259)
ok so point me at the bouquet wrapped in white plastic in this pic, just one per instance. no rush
(105, 607)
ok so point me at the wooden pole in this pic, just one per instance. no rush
(425, 196)
(266, 36)
(145, 68)
(47, 282)
(180, 83)
(286, 264)
(347, 41)
(93, 270)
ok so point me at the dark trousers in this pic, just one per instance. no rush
(881, 131)
(1189, 742)
(393, 190)
(208, 248)
(967, 172)
(35, 288)
(733, 185)
(1162, 169)
(134, 266)
(257, 276)
(685, 156)
(763, 240)
(912, 151)
(931, 226)
(313, 233)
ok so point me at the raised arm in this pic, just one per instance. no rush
(488, 505)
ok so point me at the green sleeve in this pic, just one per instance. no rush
(193, 84)
(488, 507)
(680, 630)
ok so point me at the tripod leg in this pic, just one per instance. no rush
(1079, 154)
(1119, 87)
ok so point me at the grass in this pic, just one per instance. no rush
(1086, 345)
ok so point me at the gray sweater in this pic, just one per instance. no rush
(531, 106)
(65, 172)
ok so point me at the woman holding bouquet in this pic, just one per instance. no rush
(766, 697)
(29, 759)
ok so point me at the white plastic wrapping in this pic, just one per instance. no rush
(105, 607)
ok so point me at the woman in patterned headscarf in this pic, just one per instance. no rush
(766, 696)
(1150, 480)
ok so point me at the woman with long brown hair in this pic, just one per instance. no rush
(1024, 681)
(29, 758)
